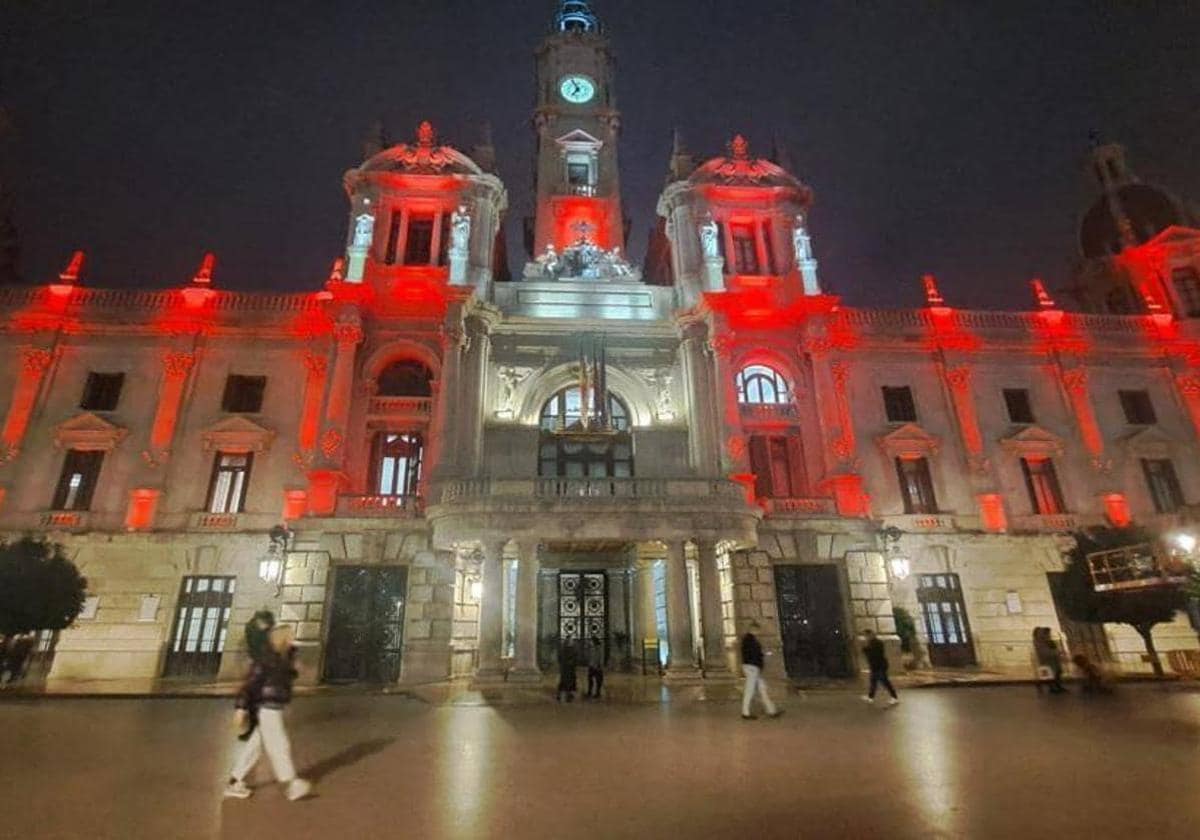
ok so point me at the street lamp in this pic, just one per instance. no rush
(271, 565)
(899, 565)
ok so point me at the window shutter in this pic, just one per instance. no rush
(760, 465)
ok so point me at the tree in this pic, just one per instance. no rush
(40, 588)
(1140, 608)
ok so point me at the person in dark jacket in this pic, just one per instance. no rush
(752, 667)
(268, 687)
(566, 671)
(258, 634)
(1047, 660)
(595, 667)
(877, 660)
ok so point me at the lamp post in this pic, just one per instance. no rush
(272, 566)
(898, 564)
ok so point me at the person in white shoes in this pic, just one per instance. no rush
(877, 659)
(752, 666)
(260, 704)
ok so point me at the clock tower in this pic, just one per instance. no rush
(577, 125)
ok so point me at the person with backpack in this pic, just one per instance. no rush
(263, 697)
(877, 660)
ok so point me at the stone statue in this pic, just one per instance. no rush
(664, 404)
(801, 241)
(549, 261)
(460, 230)
(509, 378)
(708, 240)
(364, 230)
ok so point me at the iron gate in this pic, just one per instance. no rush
(582, 607)
(366, 624)
(811, 621)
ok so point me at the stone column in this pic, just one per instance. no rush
(491, 614)
(470, 408)
(325, 482)
(34, 364)
(712, 622)
(704, 442)
(444, 452)
(315, 365)
(525, 666)
(681, 659)
(645, 621)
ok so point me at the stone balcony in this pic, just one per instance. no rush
(769, 414)
(799, 508)
(623, 509)
(931, 523)
(1045, 523)
(394, 507)
(405, 408)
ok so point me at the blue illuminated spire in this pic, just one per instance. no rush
(576, 16)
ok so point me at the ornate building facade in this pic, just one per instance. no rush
(472, 470)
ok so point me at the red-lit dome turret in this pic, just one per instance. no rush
(424, 157)
(738, 168)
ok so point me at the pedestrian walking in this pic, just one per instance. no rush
(877, 660)
(595, 668)
(267, 689)
(752, 667)
(258, 633)
(566, 671)
(1047, 660)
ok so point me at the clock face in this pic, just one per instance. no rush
(577, 89)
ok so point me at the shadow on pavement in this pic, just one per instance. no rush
(350, 755)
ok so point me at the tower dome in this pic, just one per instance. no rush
(576, 16)
(1128, 212)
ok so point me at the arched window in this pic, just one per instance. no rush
(762, 385)
(568, 449)
(405, 378)
(565, 410)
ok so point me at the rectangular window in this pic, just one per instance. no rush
(1139, 411)
(78, 480)
(397, 463)
(898, 404)
(102, 391)
(778, 467)
(444, 241)
(243, 394)
(916, 485)
(745, 250)
(1041, 480)
(418, 244)
(1187, 287)
(1163, 484)
(393, 240)
(579, 174)
(231, 475)
(1019, 409)
(768, 246)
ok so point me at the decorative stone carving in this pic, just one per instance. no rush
(1189, 384)
(1033, 441)
(959, 378)
(509, 377)
(331, 443)
(909, 441)
(236, 434)
(35, 360)
(178, 365)
(1075, 380)
(364, 231)
(316, 364)
(460, 231)
(709, 243)
(88, 431)
(347, 334)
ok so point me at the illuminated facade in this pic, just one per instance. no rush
(474, 470)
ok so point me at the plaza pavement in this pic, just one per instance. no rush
(997, 762)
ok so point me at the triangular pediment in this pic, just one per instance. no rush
(236, 434)
(1150, 442)
(88, 431)
(1033, 440)
(579, 138)
(909, 440)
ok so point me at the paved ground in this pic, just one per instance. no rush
(993, 762)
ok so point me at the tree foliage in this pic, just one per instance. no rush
(40, 588)
(906, 629)
(1140, 608)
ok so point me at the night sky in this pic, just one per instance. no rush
(943, 137)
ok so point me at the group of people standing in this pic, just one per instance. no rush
(264, 694)
(14, 656)
(568, 662)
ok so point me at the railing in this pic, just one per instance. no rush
(394, 506)
(402, 406)
(768, 412)
(1046, 523)
(205, 521)
(922, 521)
(156, 300)
(893, 319)
(588, 190)
(64, 519)
(801, 507)
(570, 489)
